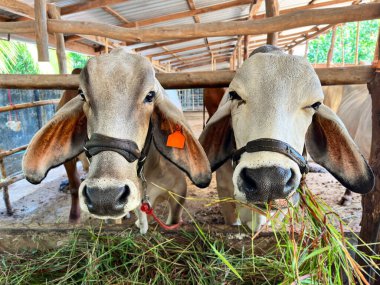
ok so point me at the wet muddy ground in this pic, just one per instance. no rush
(45, 204)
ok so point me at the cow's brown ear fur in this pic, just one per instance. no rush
(329, 144)
(61, 139)
(217, 138)
(166, 119)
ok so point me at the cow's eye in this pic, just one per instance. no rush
(316, 106)
(149, 98)
(81, 94)
(234, 96)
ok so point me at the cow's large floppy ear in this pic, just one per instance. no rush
(167, 119)
(329, 144)
(61, 139)
(217, 138)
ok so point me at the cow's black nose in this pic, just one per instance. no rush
(106, 202)
(266, 183)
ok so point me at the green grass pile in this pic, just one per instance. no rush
(308, 248)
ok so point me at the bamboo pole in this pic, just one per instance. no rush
(282, 22)
(342, 43)
(246, 43)
(331, 49)
(222, 78)
(41, 30)
(306, 49)
(357, 43)
(28, 105)
(9, 152)
(7, 202)
(54, 13)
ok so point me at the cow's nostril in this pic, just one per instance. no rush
(248, 178)
(291, 176)
(87, 198)
(121, 199)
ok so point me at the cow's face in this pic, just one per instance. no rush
(278, 96)
(119, 98)
(272, 96)
(118, 103)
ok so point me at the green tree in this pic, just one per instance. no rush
(77, 60)
(318, 48)
(15, 58)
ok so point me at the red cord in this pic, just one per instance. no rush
(146, 208)
(11, 103)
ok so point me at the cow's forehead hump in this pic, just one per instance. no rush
(276, 66)
(120, 66)
(277, 71)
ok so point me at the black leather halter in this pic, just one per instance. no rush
(274, 146)
(127, 148)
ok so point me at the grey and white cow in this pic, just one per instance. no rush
(272, 111)
(122, 106)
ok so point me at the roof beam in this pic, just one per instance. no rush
(162, 44)
(283, 22)
(192, 47)
(196, 18)
(20, 8)
(17, 7)
(204, 56)
(190, 13)
(187, 66)
(115, 14)
(310, 37)
(93, 4)
(253, 9)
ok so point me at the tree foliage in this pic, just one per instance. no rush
(319, 47)
(77, 60)
(15, 58)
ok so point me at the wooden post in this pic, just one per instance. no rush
(370, 223)
(331, 49)
(106, 45)
(7, 202)
(271, 10)
(246, 42)
(342, 42)
(306, 49)
(316, 55)
(54, 13)
(357, 43)
(41, 30)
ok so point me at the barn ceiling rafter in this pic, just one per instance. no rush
(199, 51)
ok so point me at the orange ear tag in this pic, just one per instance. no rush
(176, 139)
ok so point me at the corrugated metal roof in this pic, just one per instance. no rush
(146, 13)
(135, 10)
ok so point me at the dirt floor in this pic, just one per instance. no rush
(45, 204)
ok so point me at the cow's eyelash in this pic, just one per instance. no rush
(316, 106)
(81, 94)
(234, 95)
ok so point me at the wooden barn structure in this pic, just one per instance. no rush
(192, 44)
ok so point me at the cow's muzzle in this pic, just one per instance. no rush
(106, 203)
(265, 184)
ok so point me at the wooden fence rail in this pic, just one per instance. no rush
(327, 76)
(28, 105)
